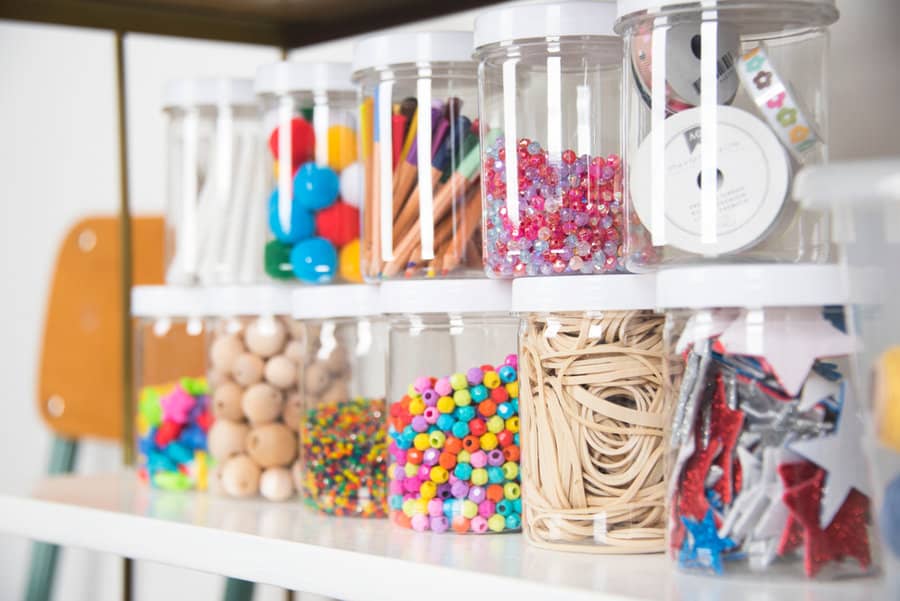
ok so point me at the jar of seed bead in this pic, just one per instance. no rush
(549, 78)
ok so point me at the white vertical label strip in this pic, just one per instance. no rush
(187, 246)
(423, 159)
(554, 109)
(709, 128)
(320, 127)
(657, 173)
(285, 162)
(385, 169)
(510, 140)
(583, 113)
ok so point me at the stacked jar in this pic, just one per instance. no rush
(549, 80)
(765, 452)
(342, 468)
(255, 352)
(419, 146)
(594, 407)
(453, 391)
(312, 211)
(214, 175)
(173, 415)
(723, 101)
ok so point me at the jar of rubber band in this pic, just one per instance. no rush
(549, 78)
(723, 102)
(453, 406)
(419, 146)
(593, 405)
(212, 162)
(766, 467)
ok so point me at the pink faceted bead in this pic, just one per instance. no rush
(412, 485)
(486, 509)
(422, 384)
(435, 507)
(443, 387)
(396, 487)
(420, 523)
(478, 525)
(478, 459)
(424, 472)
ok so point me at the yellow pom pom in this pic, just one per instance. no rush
(341, 147)
(348, 262)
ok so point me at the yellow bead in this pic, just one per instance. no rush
(512, 424)
(491, 379)
(437, 439)
(428, 490)
(496, 523)
(421, 441)
(458, 381)
(411, 470)
(341, 146)
(463, 457)
(417, 406)
(439, 474)
(511, 491)
(495, 424)
(513, 389)
(469, 509)
(488, 441)
(411, 391)
(445, 404)
(420, 506)
(409, 507)
(510, 470)
(479, 476)
(348, 262)
(462, 398)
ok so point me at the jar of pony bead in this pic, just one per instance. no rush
(549, 78)
(342, 468)
(453, 407)
(314, 192)
(593, 405)
(173, 415)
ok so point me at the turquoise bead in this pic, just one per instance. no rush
(314, 260)
(396, 501)
(513, 521)
(302, 223)
(315, 187)
(465, 414)
(507, 374)
(504, 507)
(463, 471)
(446, 422)
(505, 410)
(460, 429)
(517, 505)
(495, 475)
(479, 393)
(450, 507)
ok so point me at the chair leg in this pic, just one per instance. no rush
(238, 590)
(44, 556)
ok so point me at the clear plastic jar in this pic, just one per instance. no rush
(312, 211)
(421, 215)
(760, 102)
(594, 405)
(343, 438)
(254, 363)
(453, 422)
(549, 80)
(173, 415)
(766, 470)
(214, 176)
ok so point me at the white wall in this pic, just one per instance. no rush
(58, 162)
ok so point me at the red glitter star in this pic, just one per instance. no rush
(692, 501)
(725, 425)
(793, 475)
(846, 536)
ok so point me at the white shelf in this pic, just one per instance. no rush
(358, 560)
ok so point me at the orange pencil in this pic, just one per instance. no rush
(471, 220)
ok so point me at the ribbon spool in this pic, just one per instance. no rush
(753, 169)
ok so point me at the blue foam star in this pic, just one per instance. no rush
(702, 546)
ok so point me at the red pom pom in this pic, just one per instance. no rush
(167, 432)
(303, 142)
(339, 223)
(205, 420)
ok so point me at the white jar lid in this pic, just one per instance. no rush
(236, 301)
(552, 20)
(751, 286)
(621, 292)
(208, 91)
(285, 77)
(630, 7)
(340, 300)
(446, 296)
(168, 301)
(383, 50)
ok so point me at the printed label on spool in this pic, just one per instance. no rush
(753, 180)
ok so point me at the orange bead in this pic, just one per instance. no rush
(414, 456)
(487, 407)
(471, 443)
(453, 445)
(447, 460)
(460, 524)
(401, 519)
(511, 453)
(495, 493)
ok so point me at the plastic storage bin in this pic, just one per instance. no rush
(453, 415)
(419, 145)
(254, 361)
(711, 145)
(549, 81)
(173, 415)
(767, 472)
(594, 405)
(214, 176)
(309, 120)
(343, 436)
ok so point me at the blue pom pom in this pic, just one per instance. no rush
(890, 516)
(316, 187)
(302, 225)
(314, 260)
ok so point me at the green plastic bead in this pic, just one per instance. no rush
(469, 509)
(458, 381)
(479, 476)
(496, 523)
(175, 481)
(462, 398)
(277, 260)
(463, 457)
(511, 491)
(510, 470)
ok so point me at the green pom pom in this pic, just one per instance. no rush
(171, 481)
(278, 260)
(307, 113)
(150, 407)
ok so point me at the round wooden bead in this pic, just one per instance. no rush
(265, 336)
(240, 476)
(216, 377)
(247, 369)
(281, 372)
(293, 411)
(276, 484)
(262, 403)
(214, 480)
(226, 401)
(297, 474)
(224, 350)
(295, 329)
(226, 438)
(295, 351)
(338, 392)
(272, 445)
(316, 378)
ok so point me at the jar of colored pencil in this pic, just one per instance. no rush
(419, 146)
